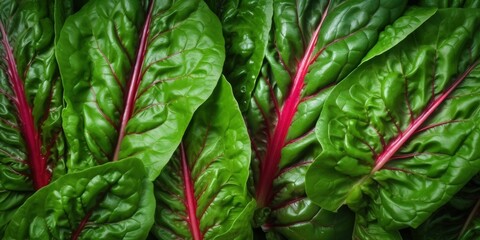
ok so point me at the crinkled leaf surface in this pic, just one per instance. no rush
(246, 24)
(31, 143)
(313, 45)
(133, 76)
(202, 192)
(112, 201)
(401, 133)
(373, 231)
(453, 218)
(402, 27)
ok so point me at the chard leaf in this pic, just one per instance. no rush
(313, 45)
(472, 232)
(31, 142)
(133, 76)
(112, 201)
(453, 219)
(372, 231)
(402, 27)
(450, 3)
(246, 24)
(202, 191)
(401, 133)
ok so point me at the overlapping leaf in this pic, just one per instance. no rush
(453, 219)
(112, 201)
(245, 26)
(31, 143)
(133, 77)
(202, 192)
(313, 45)
(401, 133)
(450, 4)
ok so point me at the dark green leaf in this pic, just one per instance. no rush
(450, 3)
(454, 217)
(31, 142)
(473, 232)
(246, 24)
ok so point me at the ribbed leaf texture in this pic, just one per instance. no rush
(202, 192)
(133, 76)
(31, 139)
(112, 201)
(313, 45)
(401, 133)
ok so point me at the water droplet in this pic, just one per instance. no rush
(243, 89)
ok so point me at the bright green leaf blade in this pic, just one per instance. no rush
(401, 133)
(133, 77)
(313, 45)
(412, 19)
(112, 201)
(246, 26)
(214, 157)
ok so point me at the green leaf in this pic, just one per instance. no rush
(31, 139)
(450, 3)
(412, 19)
(473, 232)
(401, 133)
(133, 77)
(372, 231)
(313, 45)
(112, 201)
(246, 25)
(453, 218)
(202, 191)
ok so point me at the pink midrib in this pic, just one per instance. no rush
(134, 82)
(36, 160)
(400, 140)
(270, 164)
(81, 226)
(129, 101)
(191, 201)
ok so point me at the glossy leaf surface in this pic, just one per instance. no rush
(133, 76)
(473, 232)
(455, 218)
(450, 3)
(31, 143)
(313, 45)
(246, 24)
(401, 133)
(112, 201)
(202, 192)
(393, 34)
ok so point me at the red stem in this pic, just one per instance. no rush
(81, 226)
(191, 203)
(134, 81)
(398, 142)
(269, 165)
(36, 160)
